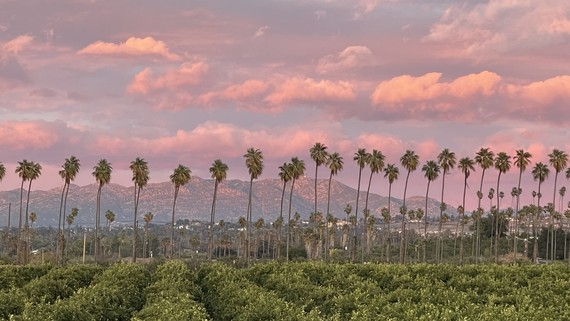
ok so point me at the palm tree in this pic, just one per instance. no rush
(254, 164)
(147, 218)
(297, 169)
(375, 161)
(466, 165)
(34, 172)
(140, 170)
(391, 172)
(431, 172)
(102, 173)
(539, 173)
(180, 177)
(361, 156)
(521, 161)
(485, 158)
(23, 171)
(69, 171)
(335, 164)
(447, 161)
(110, 216)
(502, 164)
(319, 155)
(219, 172)
(409, 161)
(559, 161)
(285, 175)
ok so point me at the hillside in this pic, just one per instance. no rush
(195, 201)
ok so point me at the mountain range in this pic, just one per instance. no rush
(195, 201)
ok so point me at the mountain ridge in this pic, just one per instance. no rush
(195, 201)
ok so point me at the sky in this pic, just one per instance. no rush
(188, 82)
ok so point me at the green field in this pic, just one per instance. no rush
(294, 291)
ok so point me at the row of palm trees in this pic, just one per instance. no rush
(293, 170)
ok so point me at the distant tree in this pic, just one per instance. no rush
(69, 171)
(180, 177)
(297, 170)
(102, 173)
(254, 164)
(140, 170)
(219, 172)
(319, 155)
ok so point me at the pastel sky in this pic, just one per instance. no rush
(192, 81)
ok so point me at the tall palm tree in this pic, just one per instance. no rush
(409, 161)
(297, 170)
(502, 164)
(34, 172)
(285, 174)
(559, 161)
(69, 171)
(23, 170)
(180, 177)
(466, 165)
(431, 171)
(360, 157)
(140, 170)
(375, 161)
(485, 158)
(391, 172)
(219, 172)
(254, 164)
(521, 161)
(102, 173)
(539, 173)
(319, 155)
(447, 161)
(335, 164)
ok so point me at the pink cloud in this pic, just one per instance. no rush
(133, 47)
(17, 44)
(299, 89)
(503, 26)
(351, 57)
(188, 74)
(28, 135)
(429, 87)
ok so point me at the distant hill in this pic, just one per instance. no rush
(195, 201)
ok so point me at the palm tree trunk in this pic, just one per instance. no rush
(425, 222)
(438, 247)
(212, 214)
(365, 211)
(281, 224)
(176, 189)
(326, 220)
(59, 238)
(289, 219)
(97, 215)
(137, 194)
(515, 248)
(552, 256)
(19, 245)
(316, 173)
(461, 219)
(249, 221)
(26, 254)
(478, 236)
(403, 235)
(497, 219)
(534, 229)
(389, 242)
(354, 236)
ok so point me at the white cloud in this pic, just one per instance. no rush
(261, 31)
(350, 57)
